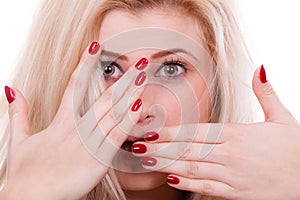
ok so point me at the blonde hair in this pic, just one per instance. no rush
(63, 28)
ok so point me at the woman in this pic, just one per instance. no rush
(172, 81)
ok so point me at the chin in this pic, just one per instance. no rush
(141, 181)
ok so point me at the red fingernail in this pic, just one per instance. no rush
(151, 136)
(94, 48)
(142, 64)
(262, 75)
(136, 106)
(139, 148)
(172, 180)
(148, 161)
(10, 94)
(140, 79)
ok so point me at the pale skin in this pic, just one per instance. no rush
(153, 185)
(248, 161)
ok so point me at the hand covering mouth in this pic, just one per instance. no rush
(127, 145)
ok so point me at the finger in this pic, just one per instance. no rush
(188, 169)
(109, 122)
(117, 112)
(79, 81)
(18, 116)
(180, 150)
(103, 105)
(117, 95)
(273, 109)
(200, 133)
(117, 136)
(205, 187)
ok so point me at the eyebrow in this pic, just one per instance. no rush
(113, 55)
(171, 51)
(154, 56)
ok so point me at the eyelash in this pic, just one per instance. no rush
(168, 61)
(173, 61)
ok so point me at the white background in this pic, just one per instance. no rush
(271, 30)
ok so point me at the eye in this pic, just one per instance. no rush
(111, 69)
(171, 69)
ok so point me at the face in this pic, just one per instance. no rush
(177, 85)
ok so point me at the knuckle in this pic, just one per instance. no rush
(86, 60)
(268, 90)
(76, 81)
(185, 152)
(193, 169)
(207, 189)
(72, 81)
(115, 116)
(107, 97)
(190, 134)
(14, 111)
(118, 136)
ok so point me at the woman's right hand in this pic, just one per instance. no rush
(56, 163)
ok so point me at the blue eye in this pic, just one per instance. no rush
(111, 70)
(171, 69)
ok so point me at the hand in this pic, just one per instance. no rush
(233, 161)
(55, 163)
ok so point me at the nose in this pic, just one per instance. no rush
(154, 115)
(148, 99)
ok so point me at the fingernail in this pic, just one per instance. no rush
(172, 180)
(148, 161)
(94, 48)
(151, 136)
(262, 75)
(10, 94)
(140, 79)
(139, 148)
(136, 106)
(142, 64)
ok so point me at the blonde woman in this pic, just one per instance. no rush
(158, 108)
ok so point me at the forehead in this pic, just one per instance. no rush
(123, 33)
(120, 21)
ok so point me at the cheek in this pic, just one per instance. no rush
(173, 109)
(203, 97)
(173, 104)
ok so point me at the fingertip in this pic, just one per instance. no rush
(142, 64)
(260, 82)
(94, 48)
(10, 94)
(151, 136)
(137, 105)
(172, 180)
(262, 75)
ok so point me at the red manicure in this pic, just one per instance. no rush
(140, 78)
(139, 148)
(172, 180)
(142, 64)
(148, 161)
(262, 75)
(151, 136)
(136, 106)
(94, 48)
(10, 94)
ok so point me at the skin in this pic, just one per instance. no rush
(241, 164)
(142, 183)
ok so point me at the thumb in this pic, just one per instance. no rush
(18, 116)
(273, 109)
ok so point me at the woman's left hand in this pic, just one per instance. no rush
(232, 161)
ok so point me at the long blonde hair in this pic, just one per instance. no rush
(63, 28)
